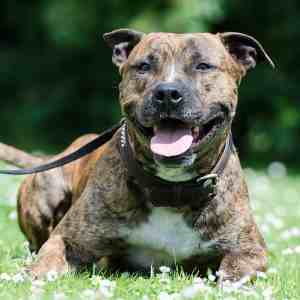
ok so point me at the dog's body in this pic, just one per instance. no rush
(179, 96)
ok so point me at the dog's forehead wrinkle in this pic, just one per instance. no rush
(165, 43)
(158, 43)
(204, 47)
(181, 48)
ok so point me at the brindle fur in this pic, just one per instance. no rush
(74, 215)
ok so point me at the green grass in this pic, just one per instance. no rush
(275, 199)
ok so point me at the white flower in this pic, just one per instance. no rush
(274, 220)
(5, 276)
(291, 232)
(241, 282)
(261, 275)
(106, 288)
(164, 269)
(268, 293)
(176, 296)
(36, 289)
(272, 271)
(211, 277)
(88, 294)
(221, 274)
(229, 287)
(26, 245)
(30, 258)
(198, 280)
(287, 251)
(249, 292)
(59, 296)
(18, 278)
(164, 296)
(277, 169)
(52, 275)
(265, 228)
(36, 295)
(193, 290)
(13, 215)
(164, 279)
(105, 283)
(96, 280)
(38, 283)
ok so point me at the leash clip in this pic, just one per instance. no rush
(208, 180)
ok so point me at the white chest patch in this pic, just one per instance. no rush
(164, 239)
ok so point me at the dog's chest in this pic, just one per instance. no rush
(163, 239)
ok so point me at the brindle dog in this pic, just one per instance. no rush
(179, 96)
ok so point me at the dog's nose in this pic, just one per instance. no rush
(168, 93)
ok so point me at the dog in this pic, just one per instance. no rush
(167, 188)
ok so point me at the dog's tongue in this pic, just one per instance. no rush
(169, 141)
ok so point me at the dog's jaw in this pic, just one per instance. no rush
(180, 173)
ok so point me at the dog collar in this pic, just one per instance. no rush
(161, 192)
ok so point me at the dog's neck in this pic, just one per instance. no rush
(164, 193)
(196, 165)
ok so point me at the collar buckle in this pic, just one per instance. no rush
(209, 179)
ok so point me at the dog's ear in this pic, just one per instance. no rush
(122, 41)
(245, 49)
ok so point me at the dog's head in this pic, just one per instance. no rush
(179, 91)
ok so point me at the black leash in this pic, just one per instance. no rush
(82, 151)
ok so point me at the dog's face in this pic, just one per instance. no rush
(179, 91)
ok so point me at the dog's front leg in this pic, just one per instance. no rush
(236, 266)
(52, 257)
(91, 229)
(86, 234)
(244, 262)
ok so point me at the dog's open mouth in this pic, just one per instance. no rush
(172, 138)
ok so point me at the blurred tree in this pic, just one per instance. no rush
(56, 77)
(268, 121)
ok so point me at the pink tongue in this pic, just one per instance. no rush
(171, 142)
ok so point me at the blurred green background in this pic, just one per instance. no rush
(57, 81)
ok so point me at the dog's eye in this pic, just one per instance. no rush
(143, 67)
(204, 67)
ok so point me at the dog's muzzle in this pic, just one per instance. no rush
(168, 95)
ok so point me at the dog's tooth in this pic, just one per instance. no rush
(155, 129)
(196, 131)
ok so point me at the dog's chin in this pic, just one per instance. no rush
(184, 160)
(202, 135)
